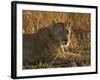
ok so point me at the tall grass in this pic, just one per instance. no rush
(78, 53)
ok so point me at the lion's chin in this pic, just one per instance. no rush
(65, 47)
(63, 43)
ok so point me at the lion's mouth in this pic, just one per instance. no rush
(64, 42)
(65, 45)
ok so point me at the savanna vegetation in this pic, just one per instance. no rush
(78, 52)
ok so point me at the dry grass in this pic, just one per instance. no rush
(70, 60)
(78, 53)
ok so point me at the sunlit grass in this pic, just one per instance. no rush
(78, 53)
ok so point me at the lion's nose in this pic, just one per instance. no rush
(64, 42)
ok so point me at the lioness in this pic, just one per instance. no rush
(44, 45)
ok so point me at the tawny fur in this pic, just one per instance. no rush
(45, 44)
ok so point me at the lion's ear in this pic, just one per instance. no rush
(68, 23)
(53, 21)
(52, 28)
